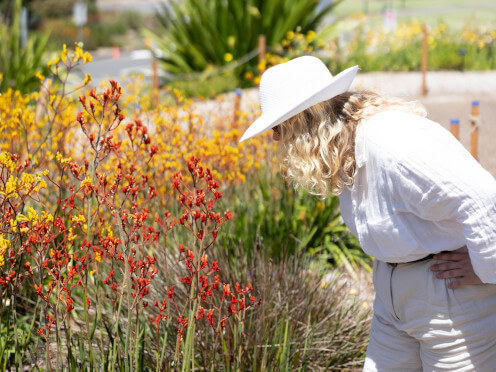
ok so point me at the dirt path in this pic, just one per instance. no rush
(450, 95)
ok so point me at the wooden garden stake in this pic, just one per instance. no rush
(261, 48)
(148, 44)
(455, 128)
(424, 61)
(474, 124)
(42, 101)
(155, 81)
(237, 103)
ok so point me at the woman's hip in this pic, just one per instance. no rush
(419, 302)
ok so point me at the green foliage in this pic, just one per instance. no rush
(58, 8)
(19, 321)
(379, 51)
(18, 64)
(194, 34)
(208, 86)
(102, 33)
(446, 56)
(131, 19)
(286, 222)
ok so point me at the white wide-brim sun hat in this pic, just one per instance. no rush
(291, 87)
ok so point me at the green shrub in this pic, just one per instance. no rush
(287, 222)
(52, 8)
(19, 64)
(401, 49)
(132, 19)
(194, 34)
(208, 86)
(57, 8)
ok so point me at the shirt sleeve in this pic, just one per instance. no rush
(441, 181)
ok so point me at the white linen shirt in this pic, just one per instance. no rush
(417, 191)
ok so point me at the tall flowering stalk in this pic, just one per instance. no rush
(209, 299)
(101, 116)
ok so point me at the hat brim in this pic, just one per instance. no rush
(339, 84)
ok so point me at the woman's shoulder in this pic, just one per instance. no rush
(395, 120)
(400, 132)
(394, 137)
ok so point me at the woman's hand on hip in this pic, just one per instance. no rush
(459, 267)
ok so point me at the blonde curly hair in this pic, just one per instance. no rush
(317, 146)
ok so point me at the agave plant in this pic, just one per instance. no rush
(195, 34)
(19, 64)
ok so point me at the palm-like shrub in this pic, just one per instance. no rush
(195, 34)
(19, 64)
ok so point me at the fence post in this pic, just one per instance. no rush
(261, 48)
(42, 101)
(148, 44)
(455, 128)
(424, 61)
(237, 103)
(474, 124)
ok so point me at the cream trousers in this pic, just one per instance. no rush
(420, 324)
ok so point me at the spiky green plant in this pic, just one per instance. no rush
(19, 64)
(195, 34)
